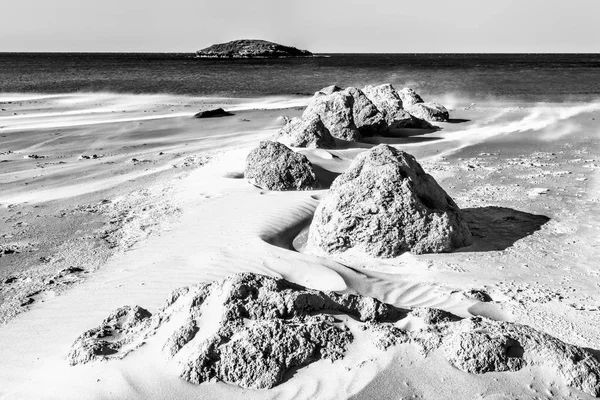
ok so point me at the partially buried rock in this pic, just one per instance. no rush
(385, 205)
(274, 166)
(479, 345)
(113, 338)
(429, 111)
(249, 329)
(217, 112)
(409, 97)
(388, 101)
(307, 132)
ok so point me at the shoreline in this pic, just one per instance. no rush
(212, 223)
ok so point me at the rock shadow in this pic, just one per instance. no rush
(457, 120)
(497, 228)
(326, 177)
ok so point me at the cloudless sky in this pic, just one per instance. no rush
(352, 26)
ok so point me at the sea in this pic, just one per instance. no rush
(526, 77)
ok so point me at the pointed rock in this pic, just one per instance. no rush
(385, 205)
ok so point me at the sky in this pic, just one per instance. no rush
(321, 26)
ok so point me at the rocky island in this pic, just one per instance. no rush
(249, 48)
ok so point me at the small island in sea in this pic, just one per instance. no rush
(251, 48)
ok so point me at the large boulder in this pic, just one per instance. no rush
(367, 117)
(307, 132)
(429, 111)
(274, 166)
(335, 110)
(348, 113)
(388, 101)
(385, 205)
(409, 97)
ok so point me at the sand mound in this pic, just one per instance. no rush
(274, 166)
(384, 205)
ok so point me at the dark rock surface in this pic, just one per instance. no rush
(274, 166)
(216, 112)
(384, 205)
(307, 132)
(251, 48)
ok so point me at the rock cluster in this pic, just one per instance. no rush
(247, 329)
(385, 205)
(251, 329)
(350, 114)
(479, 345)
(274, 166)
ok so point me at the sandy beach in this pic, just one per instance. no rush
(114, 199)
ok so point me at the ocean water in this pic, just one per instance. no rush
(528, 77)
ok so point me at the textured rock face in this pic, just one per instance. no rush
(250, 48)
(114, 338)
(384, 205)
(367, 118)
(385, 98)
(479, 345)
(335, 110)
(409, 97)
(250, 329)
(348, 114)
(274, 166)
(306, 132)
(388, 101)
(429, 111)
